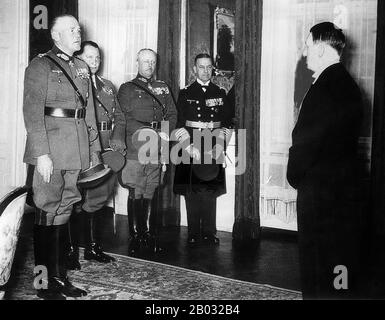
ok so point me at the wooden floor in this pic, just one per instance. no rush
(274, 261)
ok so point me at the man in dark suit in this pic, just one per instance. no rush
(322, 167)
(202, 109)
(57, 121)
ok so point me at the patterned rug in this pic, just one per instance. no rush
(134, 279)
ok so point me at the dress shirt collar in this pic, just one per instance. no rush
(204, 84)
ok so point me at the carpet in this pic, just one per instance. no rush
(134, 279)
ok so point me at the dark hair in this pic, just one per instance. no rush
(201, 56)
(87, 43)
(329, 33)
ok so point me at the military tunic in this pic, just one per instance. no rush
(108, 112)
(199, 105)
(65, 140)
(140, 110)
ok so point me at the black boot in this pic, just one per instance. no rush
(144, 223)
(72, 260)
(41, 241)
(57, 271)
(133, 241)
(151, 222)
(93, 250)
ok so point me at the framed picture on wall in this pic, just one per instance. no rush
(223, 46)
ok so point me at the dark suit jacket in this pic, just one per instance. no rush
(326, 134)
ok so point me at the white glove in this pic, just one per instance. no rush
(164, 136)
(193, 152)
(182, 134)
(45, 167)
(216, 151)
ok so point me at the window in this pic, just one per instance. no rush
(285, 80)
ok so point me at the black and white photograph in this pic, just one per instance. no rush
(192, 156)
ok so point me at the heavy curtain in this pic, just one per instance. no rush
(248, 43)
(168, 70)
(377, 200)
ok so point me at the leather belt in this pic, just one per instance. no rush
(203, 125)
(65, 113)
(104, 125)
(153, 124)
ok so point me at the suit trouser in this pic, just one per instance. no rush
(96, 198)
(329, 235)
(56, 198)
(201, 210)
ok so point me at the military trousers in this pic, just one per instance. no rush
(56, 198)
(201, 210)
(144, 178)
(96, 198)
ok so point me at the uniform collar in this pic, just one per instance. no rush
(62, 55)
(144, 80)
(204, 84)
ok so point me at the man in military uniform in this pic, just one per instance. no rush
(108, 114)
(145, 102)
(203, 112)
(58, 121)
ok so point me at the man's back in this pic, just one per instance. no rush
(326, 134)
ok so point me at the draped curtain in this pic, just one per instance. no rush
(169, 28)
(248, 43)
(377, 200)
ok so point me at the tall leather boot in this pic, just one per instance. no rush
(93, 250)
(133, 240)
(57, 271)
(41, 240)
(144, 223)
(72, 260)
(150, 220)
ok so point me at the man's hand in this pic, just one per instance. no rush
(45, 167)
(164, 136)
(118, 145)
(96, 158)
(193, 152)
(182, 134)
(216, 152)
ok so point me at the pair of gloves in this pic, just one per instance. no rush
(224, 134)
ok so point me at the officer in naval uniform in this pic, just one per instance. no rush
(138, 99)
(60, 126)
(108, 115)
(202, 108)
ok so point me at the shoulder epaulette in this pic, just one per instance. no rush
(41, 55)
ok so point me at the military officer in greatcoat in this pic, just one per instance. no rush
(145, 102)
(108, 115)
(204, 122)
(60, 125)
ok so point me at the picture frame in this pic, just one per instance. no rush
(223, 47)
